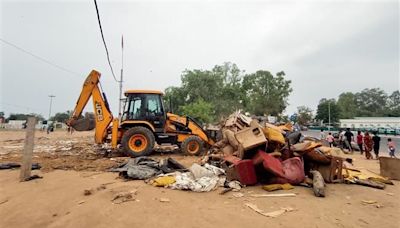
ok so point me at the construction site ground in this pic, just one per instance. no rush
(71, 165)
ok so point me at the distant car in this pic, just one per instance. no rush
(381, 130)
(390, 131)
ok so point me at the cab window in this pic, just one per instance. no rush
(154, 105)
(133, 109)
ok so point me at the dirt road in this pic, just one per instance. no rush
(58, 199)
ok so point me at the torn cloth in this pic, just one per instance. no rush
(200, 178)
(142, 168)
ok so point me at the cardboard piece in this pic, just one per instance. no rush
(251, 137)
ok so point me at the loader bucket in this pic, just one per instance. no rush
(83, 124)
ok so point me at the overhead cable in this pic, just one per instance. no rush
(104, 41)
(39, 58)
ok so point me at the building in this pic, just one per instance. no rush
(19, 124)
(371, 123)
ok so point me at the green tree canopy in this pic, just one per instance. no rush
(393, 104)
(323, 111)
(371, 102)
(266, 94)
(347, 104)
(22, 116)
(304, 115)
(200, 110)
(61, 116)
(224, 89)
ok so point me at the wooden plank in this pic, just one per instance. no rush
(274, 195)
(26, 165)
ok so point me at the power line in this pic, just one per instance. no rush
(20, 106)
(104, 41)
(40, 58)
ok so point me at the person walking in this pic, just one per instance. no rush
(330, 139)
(349, 137)
(377, 140)
(368, 143)
(322, 134)
(391, 147)
(341, 138)
(360, 141)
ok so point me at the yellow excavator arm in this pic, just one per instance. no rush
(194, 127)
(102, 114)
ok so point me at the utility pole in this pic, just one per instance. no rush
(121, 79)
(51, 101)
(329, 115)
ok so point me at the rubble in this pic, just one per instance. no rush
(253, 152)
(142, 168)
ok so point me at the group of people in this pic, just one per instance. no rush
(366, 142)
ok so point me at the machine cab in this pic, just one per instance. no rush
(145, 105)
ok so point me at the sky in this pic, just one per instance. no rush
(324, 47)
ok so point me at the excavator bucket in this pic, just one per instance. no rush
(83, 124)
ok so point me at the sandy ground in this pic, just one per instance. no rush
(58, 199)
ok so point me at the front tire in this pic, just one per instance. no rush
(192, 145)
(138, 141)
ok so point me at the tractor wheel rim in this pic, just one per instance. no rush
(137, 143)
(193, 147)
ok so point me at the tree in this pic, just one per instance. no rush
(347, 104)
(225, 89)
(393, 104)
(174, 98)
(265, 94)
(231, 96)
(323, 111)
(61, 116)
(304, 115)
(21, 116)
(219, 87)
(200, 110)
(371, 102)
(1, 114)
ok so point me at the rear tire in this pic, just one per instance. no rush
(138, 141)
(193, 146)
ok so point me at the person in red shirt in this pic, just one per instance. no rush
(360, 141)
(367, 145)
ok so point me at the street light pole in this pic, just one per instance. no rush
(51, 101)
(329, 116)
(121, 79)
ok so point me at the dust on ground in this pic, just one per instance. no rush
(71, 164)
(77, 151)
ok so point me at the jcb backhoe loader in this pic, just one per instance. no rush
(143, 122)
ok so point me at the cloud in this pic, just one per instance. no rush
(318, 45)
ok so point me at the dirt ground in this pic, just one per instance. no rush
(71, 166)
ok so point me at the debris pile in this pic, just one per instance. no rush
(169, 173)
(253, 152)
